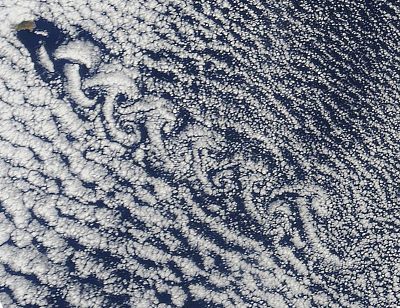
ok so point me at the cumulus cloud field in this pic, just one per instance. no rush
(225, 153)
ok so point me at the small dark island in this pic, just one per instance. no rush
(26, 25)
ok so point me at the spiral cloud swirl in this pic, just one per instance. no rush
(225, 153)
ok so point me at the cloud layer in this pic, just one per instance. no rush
(213, 154)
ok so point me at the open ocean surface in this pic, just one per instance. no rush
(200, 154)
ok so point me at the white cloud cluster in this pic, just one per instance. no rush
(81, 52)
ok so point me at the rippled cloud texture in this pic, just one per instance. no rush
(199, 153)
